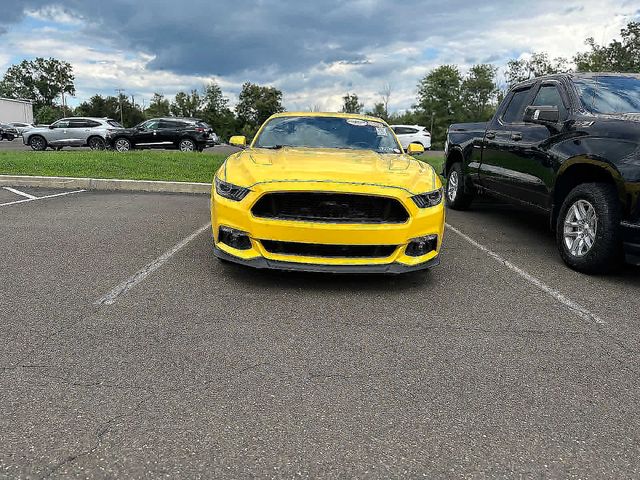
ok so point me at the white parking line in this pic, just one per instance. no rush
(576, 308)
(18, 192)
(40, 198)
(111, 297)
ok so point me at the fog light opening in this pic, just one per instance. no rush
(421, 246)
(234, 238)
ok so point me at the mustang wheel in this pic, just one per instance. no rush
(38, 143)
(456, 197)
(187, 145)
(97, 143)
(588, 228)
(122, 145)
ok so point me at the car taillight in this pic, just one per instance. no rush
(200, 129)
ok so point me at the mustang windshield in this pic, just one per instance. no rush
(327, 132)
(610, 94)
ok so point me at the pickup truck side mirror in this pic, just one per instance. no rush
(547, 115)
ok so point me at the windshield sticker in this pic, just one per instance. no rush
(356, 122)
(381, 131)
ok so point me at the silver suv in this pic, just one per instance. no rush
(73, 132)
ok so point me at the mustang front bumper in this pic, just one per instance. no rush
(238, 216)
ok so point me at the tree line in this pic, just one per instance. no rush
(445, 95)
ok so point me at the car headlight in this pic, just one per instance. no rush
(429, 199)
(230, 191)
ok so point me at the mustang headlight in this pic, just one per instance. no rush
(429, 199)
(230, 191)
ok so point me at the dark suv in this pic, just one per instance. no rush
(185, 134)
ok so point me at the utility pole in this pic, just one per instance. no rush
(120, 92)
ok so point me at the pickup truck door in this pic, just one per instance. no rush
(498, 168)
(533, 164)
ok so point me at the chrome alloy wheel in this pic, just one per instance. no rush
(187, 146)
(452, 186)
(580, 228)
(123, 145)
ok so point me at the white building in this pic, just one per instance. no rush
(15, 110)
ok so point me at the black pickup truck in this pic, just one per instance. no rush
(567, 145)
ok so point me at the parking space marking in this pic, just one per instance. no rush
(576, 308)
(122, 288)
(18, 192)
(40, 198)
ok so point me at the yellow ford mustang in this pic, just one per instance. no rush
(327, 192)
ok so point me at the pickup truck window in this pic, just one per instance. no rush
(515, 110)
(549, 95)
(610, 94)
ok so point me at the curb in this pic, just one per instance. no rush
(105, 184)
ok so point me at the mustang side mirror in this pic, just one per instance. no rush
(415, 149)
(547, 115)
(238, 141)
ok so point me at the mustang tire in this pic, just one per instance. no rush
(588, 228)
(456, 197)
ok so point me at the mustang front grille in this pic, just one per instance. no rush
(330, 208)
(331, 251)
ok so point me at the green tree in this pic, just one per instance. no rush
(42, 80)
(216, 111)
(187, 104)
(537, 65)
(99, 106)
(479, 92)
(46, 115)
(158, 107)
(351, 104)
(255, 104)
(618, 56)
(439, 100)
(379, 111)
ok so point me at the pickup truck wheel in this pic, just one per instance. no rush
(38, 143)
(588, 228)
(456, 197)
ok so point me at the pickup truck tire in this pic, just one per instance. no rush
(588, 228)
(455, 194)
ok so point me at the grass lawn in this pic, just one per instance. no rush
(137, 165)
(435, 159)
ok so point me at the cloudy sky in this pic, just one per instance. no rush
(314, 51)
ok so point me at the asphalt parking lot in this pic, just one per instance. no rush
(129, 350)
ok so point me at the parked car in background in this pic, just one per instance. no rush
(567, 145)
(73, 132)
(8, 132)
(22, 127)
(408, 134)
(185, 134)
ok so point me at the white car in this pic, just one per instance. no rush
(412, 134)
(22, 127)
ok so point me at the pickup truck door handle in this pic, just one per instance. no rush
(516, 136)
(490, 135)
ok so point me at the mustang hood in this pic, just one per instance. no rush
(289, 164)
